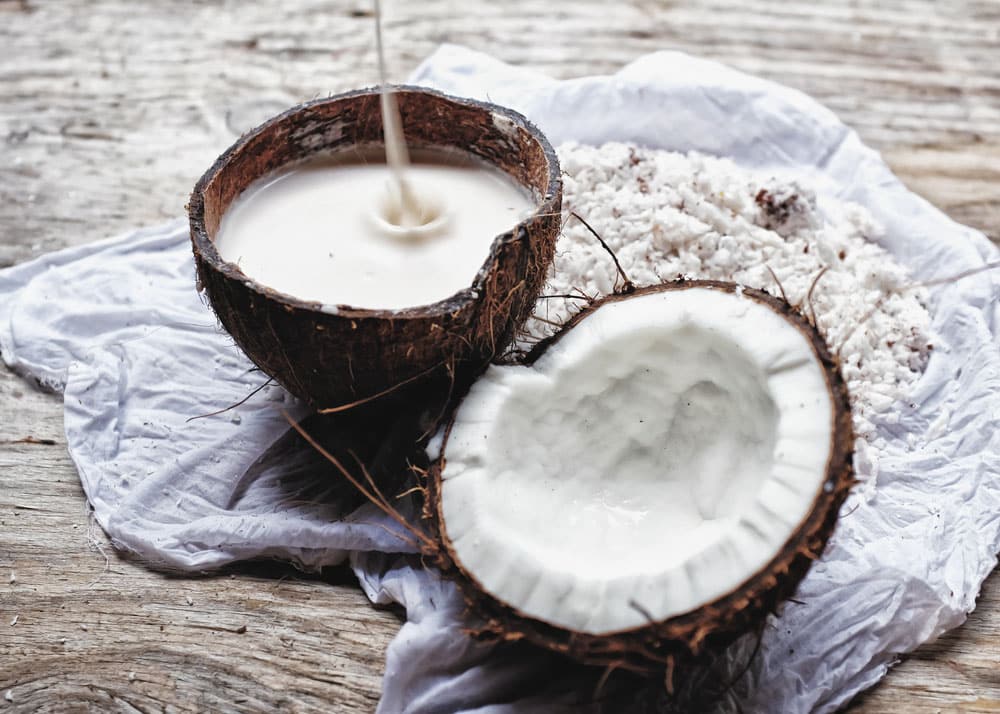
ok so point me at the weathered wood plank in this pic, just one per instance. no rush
(110, 110)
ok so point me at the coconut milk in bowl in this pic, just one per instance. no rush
(349, 237)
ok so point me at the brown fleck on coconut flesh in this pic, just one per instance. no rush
(356, 354)
(648, 483)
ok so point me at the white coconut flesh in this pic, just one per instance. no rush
(654, 458)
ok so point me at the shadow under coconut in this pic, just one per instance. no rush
(531, 679)
(375, 443)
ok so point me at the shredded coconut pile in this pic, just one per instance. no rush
(668, 215)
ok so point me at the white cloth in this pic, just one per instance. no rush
(118, 328)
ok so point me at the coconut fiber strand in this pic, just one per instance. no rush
(118, 328)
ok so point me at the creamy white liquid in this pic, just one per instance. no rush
(403, 202)
(318, 232)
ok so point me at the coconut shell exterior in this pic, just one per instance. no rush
(658, 646)
(329, 359)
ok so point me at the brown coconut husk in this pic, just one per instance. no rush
(359, 355)
(681, 641)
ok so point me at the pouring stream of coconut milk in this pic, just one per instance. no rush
(407, 228)
(403, 208)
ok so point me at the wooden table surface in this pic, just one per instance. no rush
(109, 111)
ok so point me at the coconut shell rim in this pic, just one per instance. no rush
(688, 629)
(205, 248)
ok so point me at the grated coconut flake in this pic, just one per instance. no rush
(668, 215)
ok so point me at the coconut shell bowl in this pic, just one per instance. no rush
(332, 356)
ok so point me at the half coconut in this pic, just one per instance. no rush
(654, 478)
(336, 355)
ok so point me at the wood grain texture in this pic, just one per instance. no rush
(111, 109)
